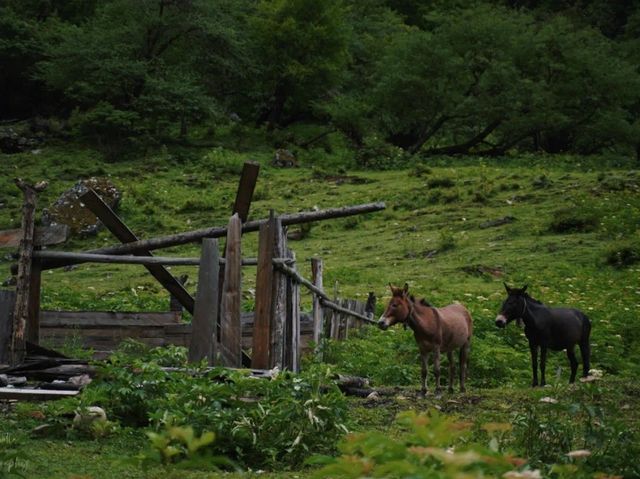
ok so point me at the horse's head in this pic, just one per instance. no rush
(513, 307)
(398, 309)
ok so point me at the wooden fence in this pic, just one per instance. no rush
(219, 331)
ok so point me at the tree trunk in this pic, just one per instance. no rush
(463, 148)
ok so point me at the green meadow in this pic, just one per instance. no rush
(570, 232)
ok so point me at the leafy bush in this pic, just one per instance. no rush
(265, 423)
(547, 432)
(431, 446)
(13, 459)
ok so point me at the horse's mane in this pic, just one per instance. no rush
(422, 301)
(533, 299)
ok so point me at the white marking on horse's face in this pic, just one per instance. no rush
(501, 321)
(383, 322)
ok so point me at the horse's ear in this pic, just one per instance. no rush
(524, 289)
(405, 290)
(506, 286)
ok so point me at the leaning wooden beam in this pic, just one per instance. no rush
(120, 230)
(217, 232)
(25, 298)
(326, 301)
(247, 185)
(117, 259)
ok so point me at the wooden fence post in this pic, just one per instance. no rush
(24, 314)
(7, 305)
(203, 341)
(335, 317)
(230, 325)
(316, 278)
(264, 286)
(279, 300)
(292, 325)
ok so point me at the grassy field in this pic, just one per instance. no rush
(572, 234)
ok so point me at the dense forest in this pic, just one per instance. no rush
(411, 76)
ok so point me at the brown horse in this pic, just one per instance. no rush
(435, 329)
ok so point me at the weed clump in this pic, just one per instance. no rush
(623, 255)
(441, 182)
(573, 220)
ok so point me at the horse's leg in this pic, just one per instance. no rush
(585, 352)
(436, 367)
(452, 371)
(571, 354)
(425, 366)
(534, 363)
(464, 365)
(543, 364)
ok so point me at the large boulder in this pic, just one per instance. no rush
(68, 209)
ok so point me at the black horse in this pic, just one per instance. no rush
(553, 328)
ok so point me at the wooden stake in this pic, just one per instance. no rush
(316, 277)
(206, 306)
(230, 326)
(24, 299)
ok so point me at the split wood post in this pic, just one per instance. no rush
(230, 325)
(7, 305)
(279, 300)
(292, 325)
(121, 231)
(206, 307)
(335, 317)
(26, 312)
(264, 287)
(241, 207)
(316, 275)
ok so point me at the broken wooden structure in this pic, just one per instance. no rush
(219, 332)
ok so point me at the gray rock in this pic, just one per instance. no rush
(68, 209)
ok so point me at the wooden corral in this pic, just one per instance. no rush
(272, 336)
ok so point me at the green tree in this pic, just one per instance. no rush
(301, 47)
(144, 60)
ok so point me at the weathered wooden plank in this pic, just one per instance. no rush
(279, 300)
(292, 325)
(203, 339)
(230, 325)
(24, 394)
(7, 305)
(44, 236)
(33, 313)
(246, 187)
(23, 286)
(120, 230)
(217, 232)
(105, 318)
(263, 303)
(316, 278)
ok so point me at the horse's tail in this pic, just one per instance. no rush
(586, 328)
